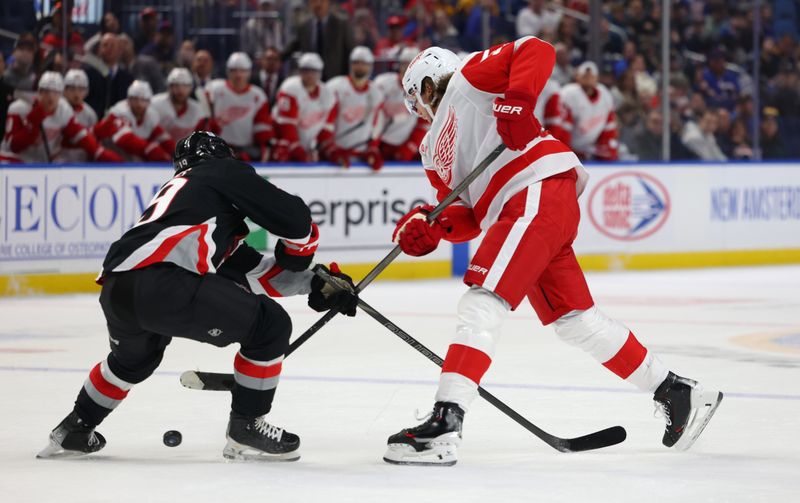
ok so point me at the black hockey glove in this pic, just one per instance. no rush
(340, 295)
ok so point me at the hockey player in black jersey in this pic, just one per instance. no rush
(183, 271)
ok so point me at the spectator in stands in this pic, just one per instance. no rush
(108, 83)
(353, 116)
(20, 73)
(588, 121)
(242, 110)
(400, 132)
(202, 68)
(54, 37)
(268, 77)
(148, 26)
(301, 111)
(326, 34)
(263, 30)
(473, 36)
(719, 85)
(186, 53)
(391, 45)
(772, 146)
(76, 87)
(562, 71)
(162, 48)
(535, 17)
(132, 127)
(108, 24)
(742, 149)
(786, 94)
(443, 33)
(179, 115)
(646, 143)
(699, 137)
(37, 129)
(365, 28)
(723, 132)
(141, 66)
(6, 96)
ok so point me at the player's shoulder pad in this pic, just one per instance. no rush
(292, 86)
(159, 99)
(19, 107)
(120, 108)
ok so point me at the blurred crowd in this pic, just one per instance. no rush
(316, 80)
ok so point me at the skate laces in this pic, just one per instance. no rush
(423, 417)
(93, 440)
(663, 410)
(267, 429)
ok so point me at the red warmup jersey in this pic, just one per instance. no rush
(588, 125)
(354, 114)
(396, 125)
(300, 116)
(23, 139)
(464, 131)
(178, 124)
(243, 116)
(135, 140)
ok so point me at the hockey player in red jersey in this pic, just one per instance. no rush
(352, 130)
(179, 115)
(184, 271)
(301, 110)
(400, 131)
(242, 110)
(36, 131)
(526, 202)
(588, 123)
(132, 127)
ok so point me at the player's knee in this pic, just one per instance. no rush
(482, 310)
(272, 329)
(585, 328)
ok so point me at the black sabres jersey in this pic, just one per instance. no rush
(197, 218)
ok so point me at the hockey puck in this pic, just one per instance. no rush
(172, 438)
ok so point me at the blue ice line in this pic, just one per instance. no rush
(422, 382)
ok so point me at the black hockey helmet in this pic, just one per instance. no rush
(198, 146)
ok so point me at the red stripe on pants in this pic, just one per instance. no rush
(105, 387)
(628, 358)
(466, 361)
(250, 369)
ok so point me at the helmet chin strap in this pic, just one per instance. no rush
(424, 105)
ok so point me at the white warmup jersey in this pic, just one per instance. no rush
(86, 117)
(355, 112)
(122, 115)
(178, 125)
(294, 106)
(240, 115)
(588, 118)
(395, 123)
(56, 126)
(464, 132)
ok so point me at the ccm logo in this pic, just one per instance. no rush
(478, 269)
(507, 109)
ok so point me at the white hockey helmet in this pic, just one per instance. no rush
(180, 76)
(51, 81)
(140, 89)
(76, 78)
(362, 53)
(433, 63)
(310, 61)
(239, 61)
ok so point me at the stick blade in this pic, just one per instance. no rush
(597, 440)
(207, 381)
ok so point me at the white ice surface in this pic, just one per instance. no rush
(354, 383)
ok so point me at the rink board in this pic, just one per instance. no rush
(57, 222)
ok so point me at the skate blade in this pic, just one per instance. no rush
(235, 451)
(438, 454)
(707, 400)
(55, 451)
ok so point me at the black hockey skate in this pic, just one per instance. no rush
(252, 438)
(72, 437)
(434, 442)
(687, 409)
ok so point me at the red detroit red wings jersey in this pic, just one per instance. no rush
(243, 116)
(300, 116)
(59, 127)
(355, 112)
(464, 131)
(86, 117)
(589, 123)
(197, 218)
(178, 125)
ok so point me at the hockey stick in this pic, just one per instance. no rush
(46, 145)
(214, 381)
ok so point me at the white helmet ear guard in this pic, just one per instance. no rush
(433, 63)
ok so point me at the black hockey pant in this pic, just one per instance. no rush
(146, 308)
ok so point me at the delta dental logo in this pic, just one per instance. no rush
(629, 206)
